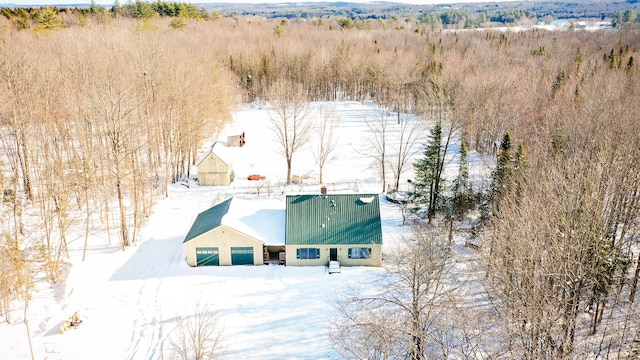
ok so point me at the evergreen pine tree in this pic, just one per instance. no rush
(460, 200)
(428, 172)
(503, 173)
(116, 9)
(49, 19)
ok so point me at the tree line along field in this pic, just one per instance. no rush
(436, 16)
(97, 119)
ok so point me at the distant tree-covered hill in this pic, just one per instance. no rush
(506, 12)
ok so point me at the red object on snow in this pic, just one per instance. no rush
(254, 177)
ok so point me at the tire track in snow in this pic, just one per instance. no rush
(142, 345)
(141, 323)
(165, 257)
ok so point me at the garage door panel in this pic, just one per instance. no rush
(242, 256)
(209, 256)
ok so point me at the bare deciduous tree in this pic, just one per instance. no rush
(404, 318)
(114, 104)
(197, 337)
(553, 256)
(326, 138)
(17, 278)
(289, 120)
(18, 91)
(376, 147)
(409, 131)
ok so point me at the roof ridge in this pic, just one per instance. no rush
(208, 219)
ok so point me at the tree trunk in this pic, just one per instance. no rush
(26, 321)
(107, 220)
(86, 227)
(23, 153)
(135, 198)
(124, 233)
(433, 195)
(384, 175)
(634, 283)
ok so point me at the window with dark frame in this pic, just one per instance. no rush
(359, 253)
(308, 253)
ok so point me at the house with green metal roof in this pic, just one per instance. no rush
(214, 239)
(308, 230)
(333, 227)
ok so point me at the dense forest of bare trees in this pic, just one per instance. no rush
(95, 123)
(97, 119)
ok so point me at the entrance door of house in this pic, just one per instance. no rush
(333, 254)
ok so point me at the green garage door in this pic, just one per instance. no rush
(207, 256)
(241, 256)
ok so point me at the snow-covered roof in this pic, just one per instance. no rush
(220, 150)
(261, 219)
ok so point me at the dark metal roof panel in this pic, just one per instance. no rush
(333, 219)
(208, 220)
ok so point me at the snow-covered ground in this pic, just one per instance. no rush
(130, 301)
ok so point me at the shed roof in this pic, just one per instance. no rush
(333, 219)
(218, 149)
(208, 220)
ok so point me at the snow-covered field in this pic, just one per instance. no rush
(130, 301)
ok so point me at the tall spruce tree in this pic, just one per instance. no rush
(428, 170)
(509, 175)
(460, 199)
(504, 168)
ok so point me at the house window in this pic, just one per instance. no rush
(359, 253)
(308, 253)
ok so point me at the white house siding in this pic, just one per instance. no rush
(343, 255)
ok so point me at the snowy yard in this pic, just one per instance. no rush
(130, 301)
